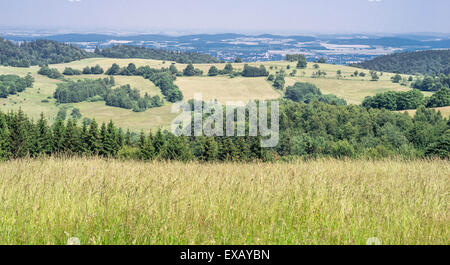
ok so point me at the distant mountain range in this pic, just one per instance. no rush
(339, 49)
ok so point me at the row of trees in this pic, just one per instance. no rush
(71, 71)
(94, 70)
(354, 131)
(408, 100)
(101, 89)
(294, 57)
(50, 72)
(307, 92)
(252, 71)
(227, 70)
(166, 146)
(13, 84)
(191, 71)
(395, 100)
(306, 130)
(20, 137)
(163, 78)
(82, 90)
(432, 83)
(301, 60)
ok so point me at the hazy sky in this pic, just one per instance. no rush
(270, 16)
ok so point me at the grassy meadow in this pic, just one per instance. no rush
(47, 201)
(226, 89)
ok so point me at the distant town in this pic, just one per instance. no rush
(337, 49)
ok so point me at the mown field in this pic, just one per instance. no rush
(47, 201)
(222, 88)
(226, 89)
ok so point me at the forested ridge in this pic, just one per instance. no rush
(127, 51)
(44, 52)
(306, 130)
(39, 52)
(432, 62)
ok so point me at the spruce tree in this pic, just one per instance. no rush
(18, 134)
(34, 146)
(159, 142)
(93, 139)
(110, 143)
(228, 150)
(44, 135)
(5, 150)
(242, 149)
(146, 148)
(206, 148)
(212, 149)
(84, 136)
(58, 136)
(71, 138)
(120, 138)
(177, 149)
(128, 138)
(103, 138)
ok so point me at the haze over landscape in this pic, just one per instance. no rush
(224, 122)
(250, 16)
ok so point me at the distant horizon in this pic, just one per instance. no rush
(125, 32)
(180, 17)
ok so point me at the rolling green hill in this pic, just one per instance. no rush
(127, 51)
(42, 51)
(423, 62)
(39, 98)
(39, 52)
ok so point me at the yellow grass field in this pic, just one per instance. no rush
(353, 91)
(151, 119)
(47, 201)
(445, 111)
(106, 63)
(227, 89)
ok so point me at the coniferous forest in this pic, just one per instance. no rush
(306, 130)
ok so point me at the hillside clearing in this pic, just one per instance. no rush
(353, 91)
(226, 89)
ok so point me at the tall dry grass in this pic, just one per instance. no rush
(316, 202)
